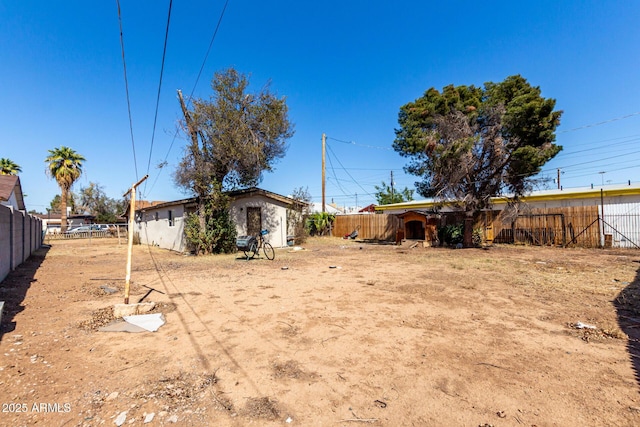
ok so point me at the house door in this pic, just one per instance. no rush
(488, 228)
(254, 221)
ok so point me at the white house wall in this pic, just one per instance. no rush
(274, 217)
(158, 232)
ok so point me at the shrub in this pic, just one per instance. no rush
(451, 234)
(319, 224)
(219, 235)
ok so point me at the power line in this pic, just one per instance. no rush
(175, 135)
(360, 145)
(334, 175)
(598, 160)
(213, 37)
(164, 54)
(126, 85)
(633, 139)
(347, 172)
(601, 123)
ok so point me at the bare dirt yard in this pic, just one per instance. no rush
(341, 333)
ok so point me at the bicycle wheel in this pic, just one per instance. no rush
(268, 251)
(252, 251)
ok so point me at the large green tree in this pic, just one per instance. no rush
(470, 143)
(386, 196)
(8, 167)
(65, 166)
(94, 200)
(54, 205)
(236, 136)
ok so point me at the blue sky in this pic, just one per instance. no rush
(345, 67)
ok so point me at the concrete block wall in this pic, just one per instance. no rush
(20, 236)
(5, 241)
(17, 239)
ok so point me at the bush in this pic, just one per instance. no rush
(219, 235)
(454, 234)
(319, 224)
(451, 234)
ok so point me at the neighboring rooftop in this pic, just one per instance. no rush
(10, 186)
(535, 196)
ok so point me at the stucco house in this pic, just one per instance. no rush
(252, 210)
(11, 192)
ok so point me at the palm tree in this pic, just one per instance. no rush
(65, 166)
(8, 167)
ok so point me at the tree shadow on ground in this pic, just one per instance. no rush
(627, 305)
(13, 289)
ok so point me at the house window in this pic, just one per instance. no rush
(155, 216)
(170, 216)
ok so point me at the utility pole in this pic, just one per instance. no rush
(391, 186)
(132, 213)
(324, 142)
(558, 178)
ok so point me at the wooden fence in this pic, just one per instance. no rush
(570, 226)
(370, 226)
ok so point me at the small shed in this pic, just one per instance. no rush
(252, 210)
(420, 226)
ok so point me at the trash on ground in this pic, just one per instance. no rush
(150, 322)
(136, 323)
(580, 325)
(620, 281)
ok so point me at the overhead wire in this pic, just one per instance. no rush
(601, 123)
(359, 145)
(204, 61)
(334, 175)
(155, 118)
(347, 172)
(126, 86)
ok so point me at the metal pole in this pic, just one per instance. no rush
(602, 216)
(324, 142)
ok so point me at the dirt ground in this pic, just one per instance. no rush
(341, 333)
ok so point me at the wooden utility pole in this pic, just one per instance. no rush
(132, 213)
(392, 187)
(559, 187)
(200, 186)
(324, 142)
(187, 119)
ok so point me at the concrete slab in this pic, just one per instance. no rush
(120, 326)
(121, 310)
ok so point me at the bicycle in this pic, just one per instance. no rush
(260, 243)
